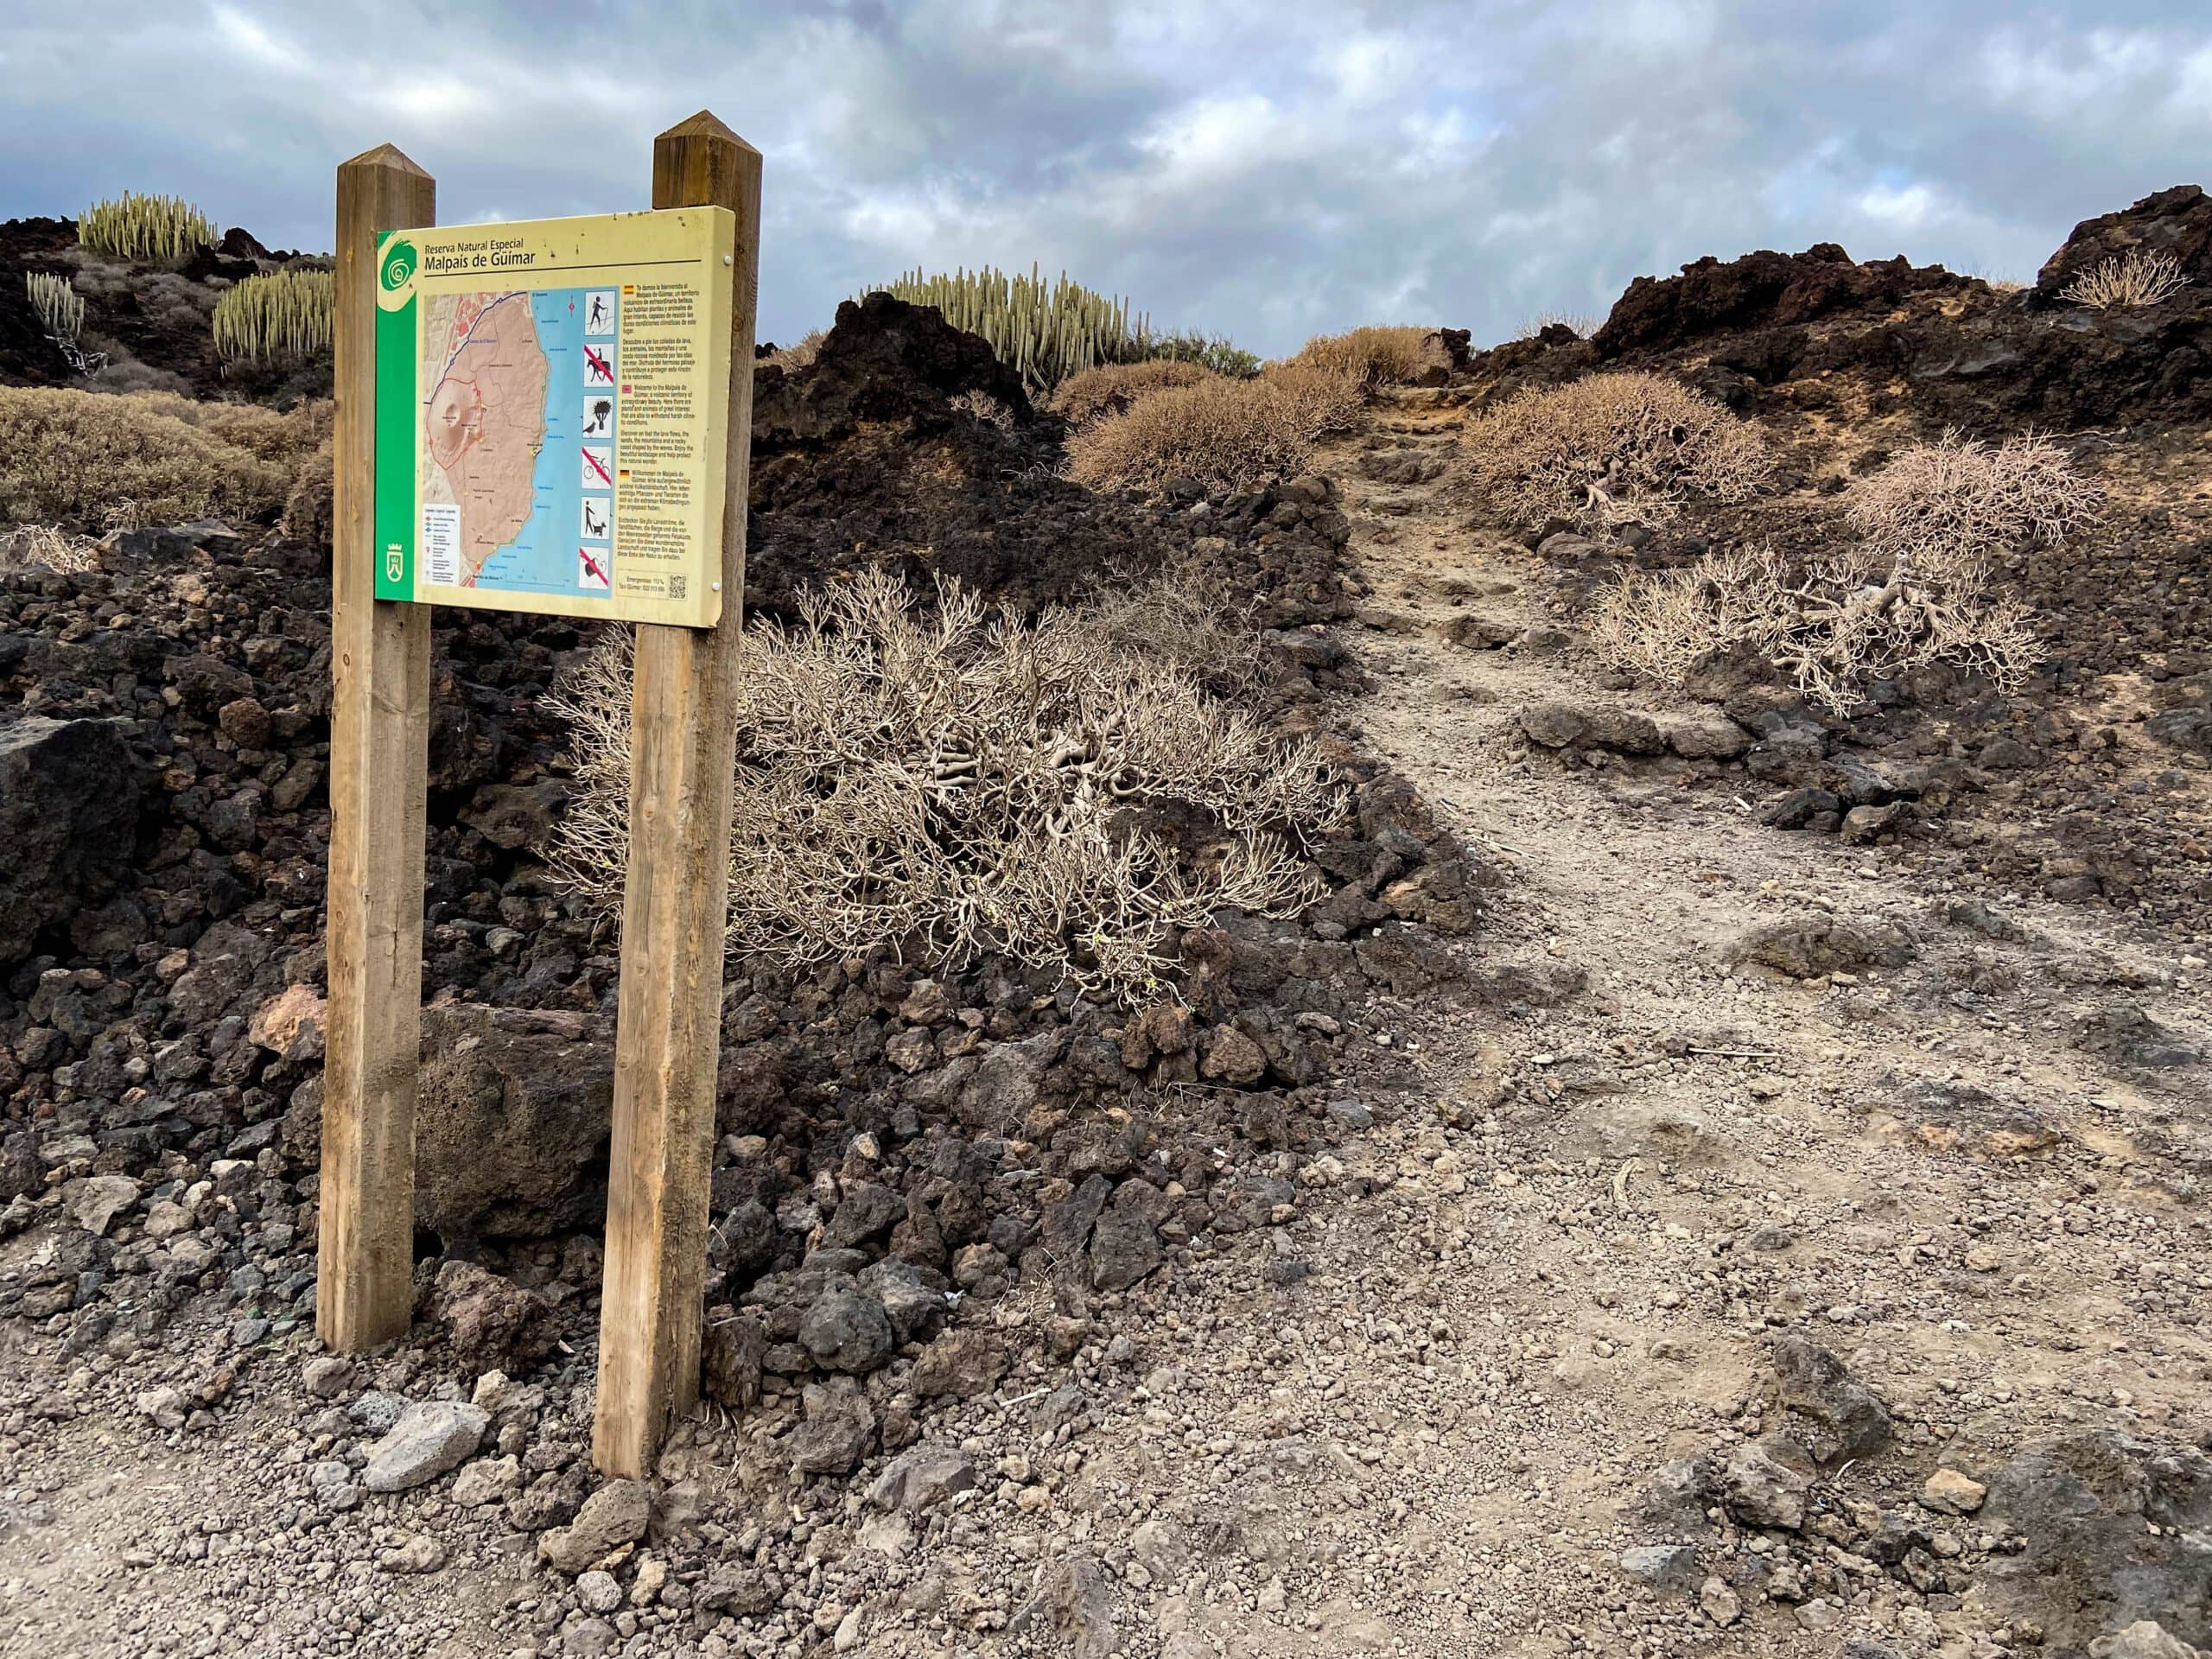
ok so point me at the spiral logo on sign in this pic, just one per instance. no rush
(398, 266)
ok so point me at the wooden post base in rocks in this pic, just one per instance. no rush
(675, 907)
(380, 760)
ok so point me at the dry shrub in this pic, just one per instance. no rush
(83, 460)
(982, 406)
(1190, 621)
(1113, 387)
(310, 508)
(1227, 434)
(1832, 626)
(2140, 276)
(1914, 591)
(793, 358)
(42, 547)
(1611, 450)
(1961, 497)
(957, 783)
(286, 438)
(1582, 324)
(1373, 356)
(1321, 400)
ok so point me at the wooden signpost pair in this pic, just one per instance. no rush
(683, 748)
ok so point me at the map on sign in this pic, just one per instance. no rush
(505, 409)
(552, 412)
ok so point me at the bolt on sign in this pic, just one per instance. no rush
(552, 408)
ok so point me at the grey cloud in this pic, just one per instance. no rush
(1267, 170)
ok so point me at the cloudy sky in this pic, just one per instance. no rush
(1267, 168)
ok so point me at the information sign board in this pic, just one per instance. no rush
(551, 415)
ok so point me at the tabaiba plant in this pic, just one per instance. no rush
(946, 782)
(2141, 276)
(1611, 450)
(1916, 589)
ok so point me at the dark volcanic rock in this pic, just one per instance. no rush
(69, 822)
(883, 361)
(2177, 222)
(1816, 945)
(1124, 1248)
(493, 1323)
(731, 1348)
(839, 1430)
(1834, 1415)
(511, 1133)
(2091, 1566)
(1772, 331)
(2131, 1036)
(1761, 290)
(907, 444)
(846, 1329)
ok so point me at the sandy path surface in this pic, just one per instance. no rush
(1419, 1415)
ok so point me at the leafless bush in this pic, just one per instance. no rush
(1960, 499)
(1373, 356)
(2140, 276)
(793, 358)
(1914, 589)
(957, 783)
(1581, 323)
(1995, 280)
(44, 547)
(1832, 626)
(1611, 450)
(1112, 387)
(985, 407)
(1189, 621)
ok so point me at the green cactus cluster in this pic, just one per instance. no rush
(1044, 331)
(281, 318)
(58, 307)
(154, 230)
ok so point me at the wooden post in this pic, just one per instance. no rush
(683, 759)
(379, 758)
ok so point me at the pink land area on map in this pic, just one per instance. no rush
(484, 419)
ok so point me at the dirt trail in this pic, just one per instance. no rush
(1405, 1419)
(1408, 1421)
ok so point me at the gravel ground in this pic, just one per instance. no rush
(1725, 1268)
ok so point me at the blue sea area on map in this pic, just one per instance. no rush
(542, 558)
